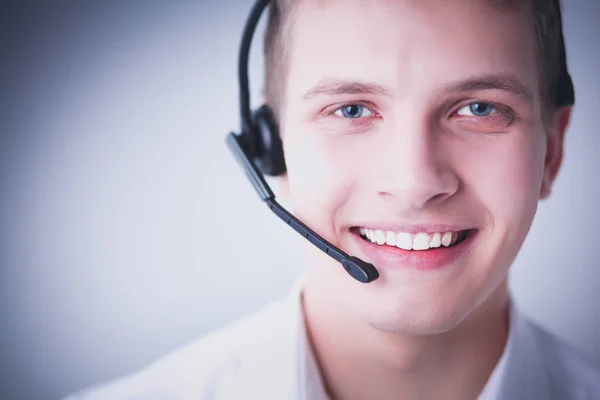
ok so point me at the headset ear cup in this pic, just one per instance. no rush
(269, 149)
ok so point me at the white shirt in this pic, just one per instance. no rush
(266, 356)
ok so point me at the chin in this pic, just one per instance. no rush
(426, 319)
(412, 324)
(427, 310)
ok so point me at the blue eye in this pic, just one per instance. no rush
(477, 110)
(354, 111)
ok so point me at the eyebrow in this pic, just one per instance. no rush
(506, 83)
(332, 87)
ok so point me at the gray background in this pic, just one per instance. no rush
(126, 228)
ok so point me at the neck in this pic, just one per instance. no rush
(357, 361)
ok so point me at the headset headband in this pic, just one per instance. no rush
(250, 27)
(565, 92)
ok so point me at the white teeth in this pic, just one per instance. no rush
(421, 241)
(404, 241)
(371, 235)
(436, 240)
(390, 238)
(407, 241)
(447, 239)
(380, 237)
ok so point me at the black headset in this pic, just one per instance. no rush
(258, 148)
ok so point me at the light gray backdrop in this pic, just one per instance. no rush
(126, 227)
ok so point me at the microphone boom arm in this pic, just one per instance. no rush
(358, 269)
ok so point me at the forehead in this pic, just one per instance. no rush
(408, 46)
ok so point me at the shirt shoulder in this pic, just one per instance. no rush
(201, 369)
(567, 366)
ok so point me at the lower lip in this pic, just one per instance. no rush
(390, 257)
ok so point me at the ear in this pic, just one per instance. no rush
(554, 148)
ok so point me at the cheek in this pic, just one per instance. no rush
(320, 176)
(506, 176)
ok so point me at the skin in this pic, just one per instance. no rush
(416, 155)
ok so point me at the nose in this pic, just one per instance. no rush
(413, 171)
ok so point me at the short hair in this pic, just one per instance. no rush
(545, 16)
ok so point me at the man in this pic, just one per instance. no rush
(418, 136)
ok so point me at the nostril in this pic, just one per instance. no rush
(438, 198)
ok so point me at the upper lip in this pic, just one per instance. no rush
(414, 228)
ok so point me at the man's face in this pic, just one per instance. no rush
(416, 118)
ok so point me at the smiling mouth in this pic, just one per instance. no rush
(413, 242)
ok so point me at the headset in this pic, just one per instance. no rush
(259, 151)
